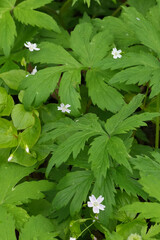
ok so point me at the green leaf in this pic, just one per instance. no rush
(118, 151)
(33, 4)
(22, 193)
(114, 122)
(10, 175)
(6, 5)
(142, 6)
(21, 118)
(19, 214)
(105, 96)
(31, 135)
(69, 90)
(24, 13)
(88, 48)
(73, 187)
(9, 106)
(7, 32)
(8, 134)
(39, 228)
(99, 157)
(6, 220)
(54, 53)
(144, 29)
(23, 158)
(3, 99)
(13, 78)
(40, 86)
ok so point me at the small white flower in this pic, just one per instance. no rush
(96, 203)
(72, 238)
(10, 157)
(27, 148)
(31, 46)
(134, 236)
(94, 238)
(64, 108)
(116, 53)
(34, 71)
(138, 19)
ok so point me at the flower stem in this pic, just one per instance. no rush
(85, 230)
(157, 123)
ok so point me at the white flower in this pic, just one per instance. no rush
(34, 71)
(116, 53)
(31, 46)
(10, 157)
(96, 203)
(134, 236)
(27, 148)
(72, 238)
(64, 108)
(138, 18)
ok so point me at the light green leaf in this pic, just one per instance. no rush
(6, 5)
(9, 106)
(33, 4)
(6, 220)
(69, 90)
(73, 187)
(23, 158)
(3, 99)
(13, 78)
(105, 96)
(39, 228)
(8, 134)
(21, 118)
(7, 32)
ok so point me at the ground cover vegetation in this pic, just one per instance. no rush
(79, 119)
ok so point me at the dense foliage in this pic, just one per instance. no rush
(79, 119)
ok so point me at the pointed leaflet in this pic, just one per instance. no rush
(53, 53)
(113, 123)
(99, 157)
(6, 5)
(69, 90)
(105, 96)
(7, 32)
(90, 48)
(6, 220)
(33, 4)
(10, 175)
(40, 86)
(73, 187)
(38, 227)
(144, 29)
(23, 192)
(118, 151)
(24, 13)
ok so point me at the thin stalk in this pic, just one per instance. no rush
(118, 9)
(157, 123)
(85, 230)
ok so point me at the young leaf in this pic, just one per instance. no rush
(73, 187)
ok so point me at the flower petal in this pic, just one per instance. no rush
(92, 198)
(100, 199)
(90, 204)
(101, 207)
(95, 209)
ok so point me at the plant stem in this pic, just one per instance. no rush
(85, 229)
(118, 9)
(157, 123)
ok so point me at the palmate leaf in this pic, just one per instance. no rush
(33, 229)
(6, 5)
(74, 188)
(86, 1)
